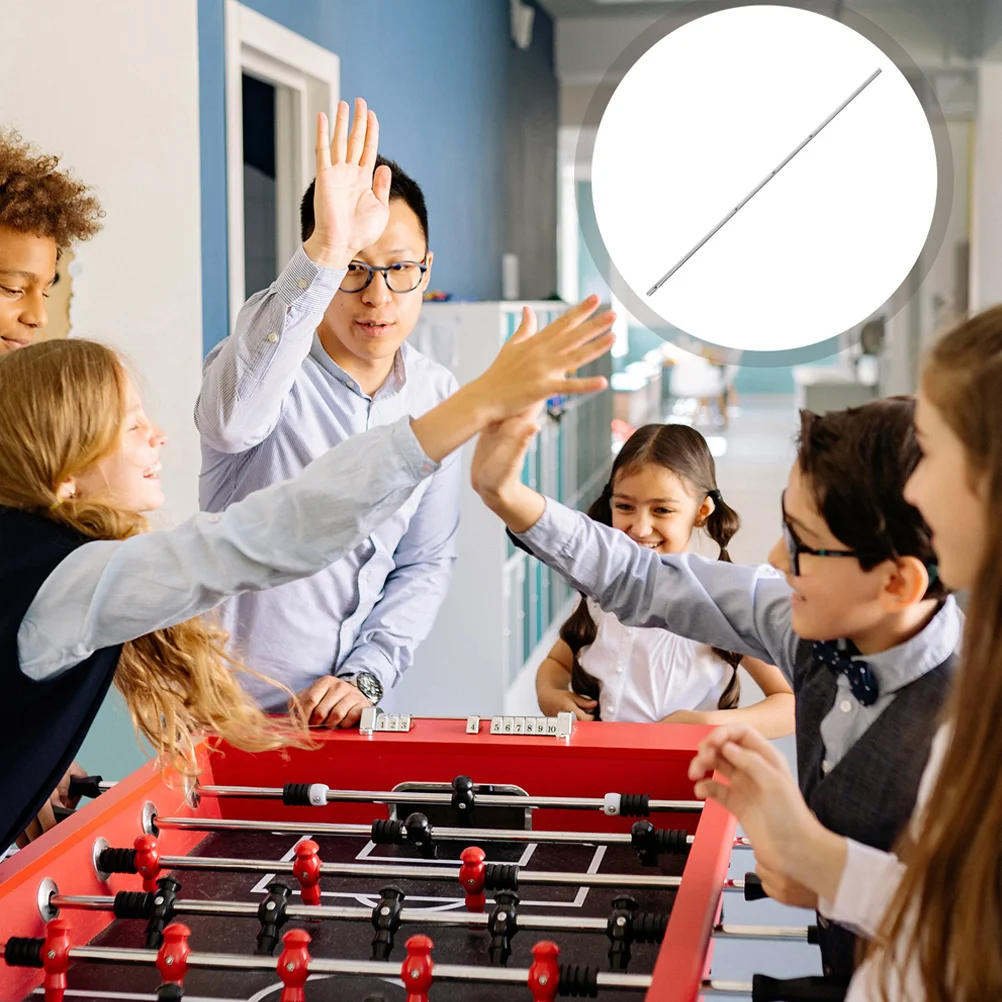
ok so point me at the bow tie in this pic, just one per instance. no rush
(862, 682)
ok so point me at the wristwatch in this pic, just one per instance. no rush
(367, 684)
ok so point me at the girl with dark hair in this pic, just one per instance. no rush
(662, 487)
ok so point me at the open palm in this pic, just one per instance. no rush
(351, 198)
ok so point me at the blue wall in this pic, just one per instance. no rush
(438, 75)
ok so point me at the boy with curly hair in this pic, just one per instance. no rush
(43, 210)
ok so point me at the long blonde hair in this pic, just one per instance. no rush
(948, 908)
(63, 409)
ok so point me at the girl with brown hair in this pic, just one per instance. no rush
(87, 596)
(933, 910)
(661, 490)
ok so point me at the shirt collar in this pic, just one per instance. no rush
(394, 384)
(898, 666)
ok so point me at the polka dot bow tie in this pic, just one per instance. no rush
(862, 682)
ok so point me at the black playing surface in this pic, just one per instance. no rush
(352, 940)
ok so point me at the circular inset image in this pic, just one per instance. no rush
(764, 178)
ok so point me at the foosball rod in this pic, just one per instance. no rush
(679, 837)
(418, 972)
(307, 868)
(318, 794)
(536, 923)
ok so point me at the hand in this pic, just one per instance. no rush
(500, 453)
(764, 797)
(554, 701)
(46, 818)
(351, 204)
(532, 367)
(686, 717)
(786, 891)
(333, 702)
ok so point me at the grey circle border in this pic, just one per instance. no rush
(909, 286)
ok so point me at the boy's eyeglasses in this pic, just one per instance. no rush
(794, 547)
(404, 276)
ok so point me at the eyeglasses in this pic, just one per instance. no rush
(794, 547)
(404, 276)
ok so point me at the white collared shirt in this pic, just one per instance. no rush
(647, 672)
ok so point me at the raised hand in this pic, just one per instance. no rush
(497, 461)
(532, 367)
(351, 201)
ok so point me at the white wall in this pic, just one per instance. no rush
(112, 86)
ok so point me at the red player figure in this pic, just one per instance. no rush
(416, 970)
(307, 871)
(172, 958)
(294, 965)
(544, 975)
(471, 877)
(147, 861)
(56, 958)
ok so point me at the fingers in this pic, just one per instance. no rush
(712, 789)
(323, 150)
(584, 701)
(359, 133)
(573, 317)
(584, 331)
(371, 147)
(348, 706)
(583, 714)
(339, 147)
(309, 698)
(527, 328)
(381, 184)
(588, 352)
(575, 387)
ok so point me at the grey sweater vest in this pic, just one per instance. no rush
(869, 795)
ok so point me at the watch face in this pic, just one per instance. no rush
(368, 686)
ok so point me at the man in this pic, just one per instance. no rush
(317, 357)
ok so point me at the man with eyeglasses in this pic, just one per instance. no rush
(317, 357)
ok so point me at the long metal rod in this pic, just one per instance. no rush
(372, 968)
(424, 797)
(529, 878)
(364, 831)
(538, 923)
(744, 201)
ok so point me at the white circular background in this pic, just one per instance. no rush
(708, 112)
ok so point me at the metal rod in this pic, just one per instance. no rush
(530, 878)
(744, 201)
(364, 831)
(427, 797)
(373, 968)
(726, 989)
(424, 797)
(344, 913)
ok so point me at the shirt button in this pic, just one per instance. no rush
(272, 337)
(619, 669)
(826, 766)
(845, 706)
(213, 519)
(426, 468)
(303, 283)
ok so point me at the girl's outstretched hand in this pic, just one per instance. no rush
(500, 453)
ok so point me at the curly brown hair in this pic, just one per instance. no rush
(35, 197)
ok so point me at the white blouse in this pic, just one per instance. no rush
(647, 673)
(868, 883)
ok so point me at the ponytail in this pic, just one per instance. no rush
(720, 525)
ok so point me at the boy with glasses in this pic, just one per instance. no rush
(319, 356)
(868, 640)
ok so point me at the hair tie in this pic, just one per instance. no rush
(55, 504)
(715, 496)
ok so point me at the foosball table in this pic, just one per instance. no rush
(494, 860)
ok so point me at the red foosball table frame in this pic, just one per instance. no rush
(597, 758)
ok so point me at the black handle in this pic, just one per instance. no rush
(85, 786)
(61, 813)
(753, 887)
(766, 989)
